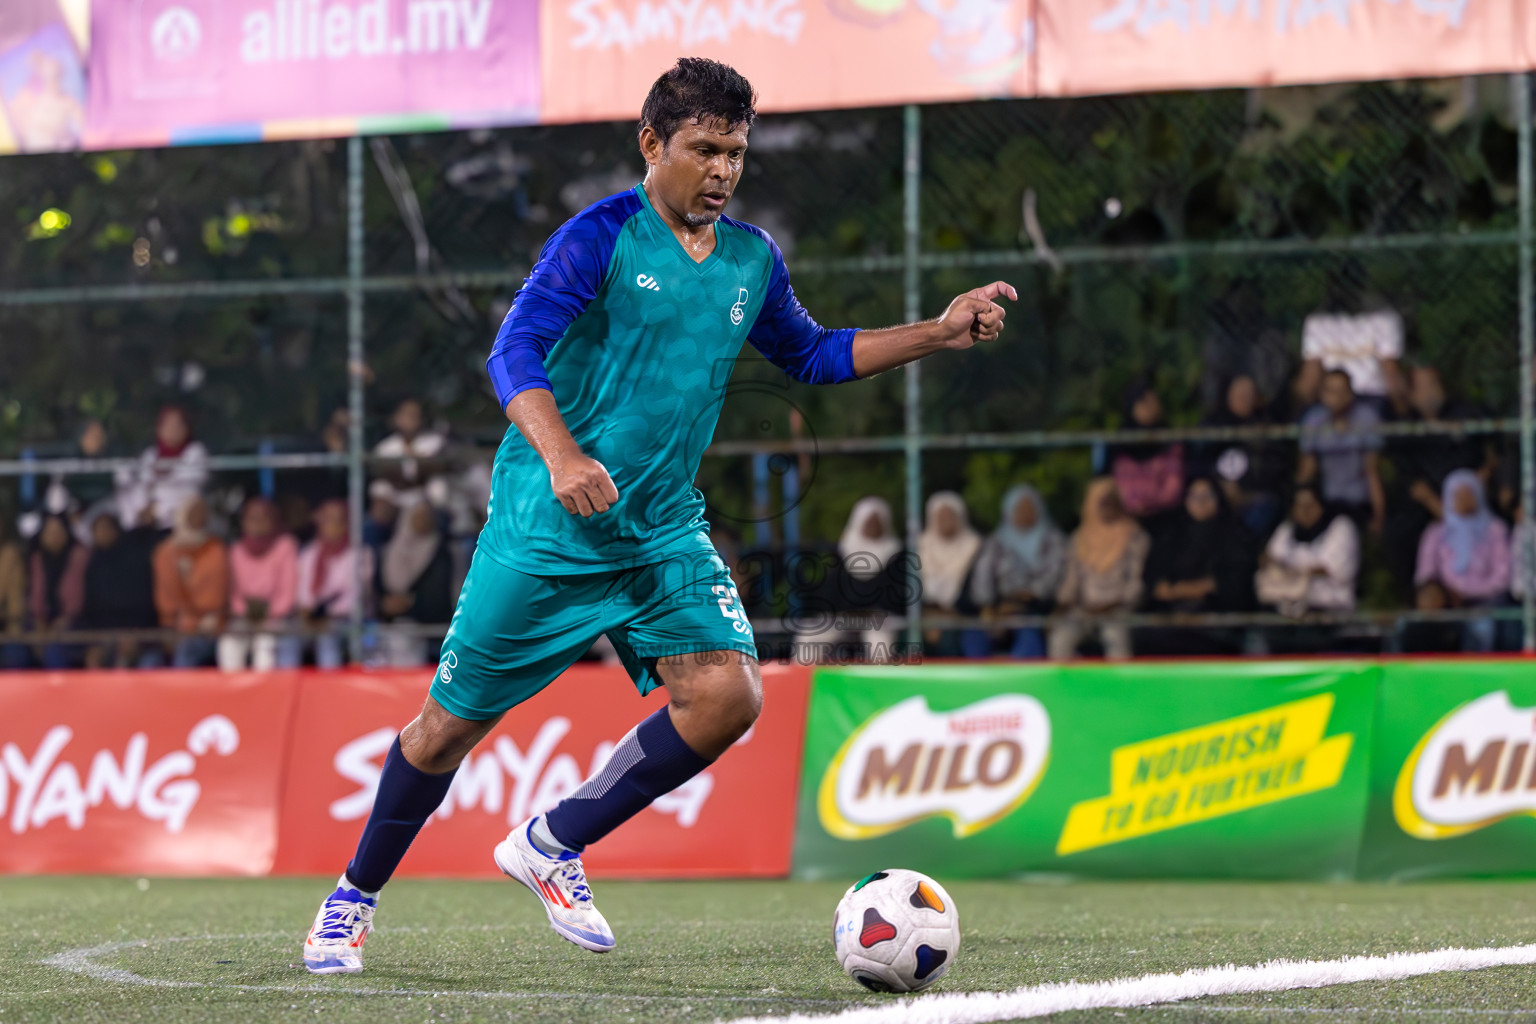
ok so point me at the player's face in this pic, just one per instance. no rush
(695, 173)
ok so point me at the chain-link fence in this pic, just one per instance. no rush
(1181, 238)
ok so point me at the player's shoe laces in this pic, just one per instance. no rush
(335, 943)
(561, 884)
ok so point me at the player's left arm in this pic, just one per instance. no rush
(971, 319)
(787, 335)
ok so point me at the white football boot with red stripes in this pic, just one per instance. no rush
(335, 943)
(561, 883)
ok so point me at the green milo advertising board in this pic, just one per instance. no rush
(1453, 778)
(1195, 770)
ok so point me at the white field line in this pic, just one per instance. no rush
(83, 961)
(1154, 989)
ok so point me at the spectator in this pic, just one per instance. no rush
(379, 523)
(1467, 556)
(263, 577)
(120, 593)
(415, 582)
(1103, 577)
(1366, 347)
(1017, 573)
(192, 584)
(58, 586)
(946, 549)
(1250, 473)
(1431, 636)
(1311, 562)
(1423, 463)
(1341, 450)
(13, 598)
(327, 572)
(1203, 563)
(418, 467)
(1511, 634)
(866, 584)
(89, 493)
(1149, 476)
(322, 484)
(169, 474)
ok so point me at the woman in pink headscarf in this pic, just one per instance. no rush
(263, 585)
(328, 580)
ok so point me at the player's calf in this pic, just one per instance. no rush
(715, 698)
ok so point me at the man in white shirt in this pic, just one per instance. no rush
(1366, 346)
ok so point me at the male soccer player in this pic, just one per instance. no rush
(608, 366)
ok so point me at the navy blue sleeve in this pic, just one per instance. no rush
(787, 336)
(566, 278)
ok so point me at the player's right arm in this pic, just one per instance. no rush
(580, 482)
(566, 278)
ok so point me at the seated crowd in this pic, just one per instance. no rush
(1165, 530)
(1170, 529)
(273, 588)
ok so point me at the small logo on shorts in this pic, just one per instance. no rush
(445, 670)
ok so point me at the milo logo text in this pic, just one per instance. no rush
(1475, 767)
(973, 765)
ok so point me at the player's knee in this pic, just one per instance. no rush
(436, 741)
(739, 704)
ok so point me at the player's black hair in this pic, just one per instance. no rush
(697, 87)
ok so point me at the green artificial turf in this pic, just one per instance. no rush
(704, 951)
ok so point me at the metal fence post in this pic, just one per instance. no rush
(1522, 85)
(912, 288)
(355, 368)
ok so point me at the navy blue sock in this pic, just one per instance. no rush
(406, 799)
(651, 761)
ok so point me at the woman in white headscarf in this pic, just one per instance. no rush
(869, 543)
(414, 583)
(861, 591)
(1017, 572)
(946, 550)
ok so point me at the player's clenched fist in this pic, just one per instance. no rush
(583, 485)
(975, 316)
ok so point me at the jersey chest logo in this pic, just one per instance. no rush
(738, 311)
(647, 282)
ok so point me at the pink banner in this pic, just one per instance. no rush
(1111, 46)
(42, 76)
(238, 70)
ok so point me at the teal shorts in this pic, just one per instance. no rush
(513, 633)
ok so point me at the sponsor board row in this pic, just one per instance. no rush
(249, 774)
(116, 73)
(1265, 770)
(1253, 769)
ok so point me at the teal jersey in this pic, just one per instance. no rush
(637, 340)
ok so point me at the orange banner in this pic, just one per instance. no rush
(600, 56)
(736, 819)
(141, 772)
(1109, 46)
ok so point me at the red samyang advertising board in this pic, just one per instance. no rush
(160, 772)
(735, 819)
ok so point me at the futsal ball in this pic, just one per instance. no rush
(896, 931)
